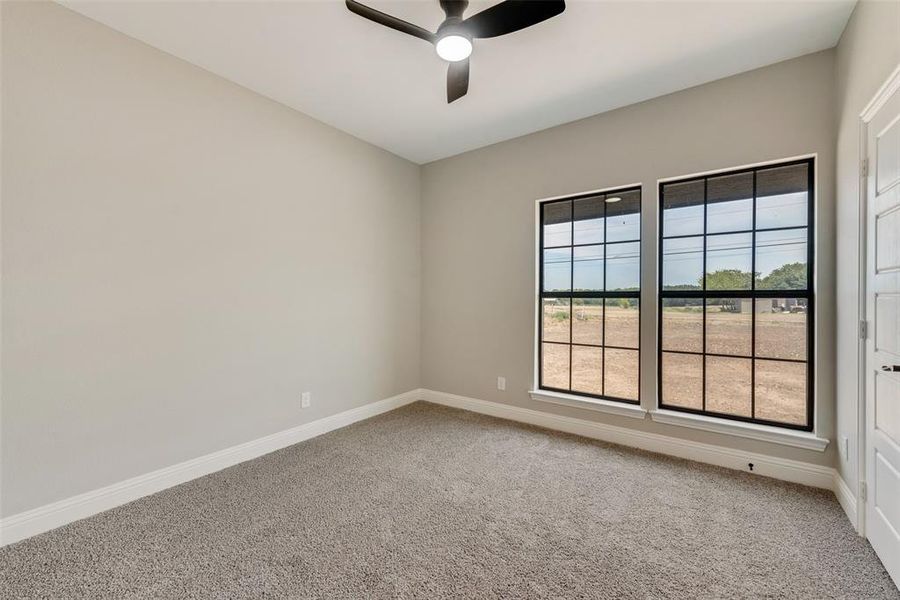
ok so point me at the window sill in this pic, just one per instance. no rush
(607, 406)
(764, 433)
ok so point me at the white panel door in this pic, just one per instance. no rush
(883, 344)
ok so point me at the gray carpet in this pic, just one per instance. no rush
(430, 502)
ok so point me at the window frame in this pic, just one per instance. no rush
(540, 390)
(752, 294)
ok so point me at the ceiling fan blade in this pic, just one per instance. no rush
(510, 16)
(389, 21)
(457, 80)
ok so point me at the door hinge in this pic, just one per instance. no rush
(863, 330)
(864, 167)
(863, 491)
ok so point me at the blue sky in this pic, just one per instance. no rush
(683, 258)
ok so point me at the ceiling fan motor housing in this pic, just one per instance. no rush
(453, 26)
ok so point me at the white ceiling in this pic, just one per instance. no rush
(389, 89)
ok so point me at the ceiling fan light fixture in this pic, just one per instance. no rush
(613, 199)
(454, 47)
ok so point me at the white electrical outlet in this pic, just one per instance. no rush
(844, 448)
(305, 399)
(501, 383)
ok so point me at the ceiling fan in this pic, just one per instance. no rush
(453, 39)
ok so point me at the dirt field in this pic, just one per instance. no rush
(587, 363)
(780, 386)
(587, 324)
(621, 370)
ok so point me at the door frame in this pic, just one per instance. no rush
(887, 89)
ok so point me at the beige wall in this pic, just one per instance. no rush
(181, 258)
(868, 52)
(478, 225)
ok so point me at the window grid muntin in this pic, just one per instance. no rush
(753, 294)
(572, 294)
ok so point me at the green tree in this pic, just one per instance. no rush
(727, 279)
(791, 276)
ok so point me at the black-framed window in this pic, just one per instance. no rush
(736, 306)
(589, 295)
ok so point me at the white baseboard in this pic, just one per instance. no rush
(50, 516)
(847, 499)
(26, 524)
(769, 466)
